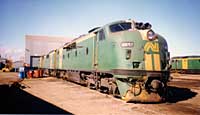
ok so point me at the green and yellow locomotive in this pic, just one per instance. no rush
(124, 58)
(186, 64)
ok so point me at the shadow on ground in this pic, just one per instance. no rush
(14, 100)
(176, 94)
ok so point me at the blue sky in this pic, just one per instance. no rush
(176, 20)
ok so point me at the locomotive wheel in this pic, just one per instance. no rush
(96, 86)
(88, 85)
(113, 90)
(137, 89)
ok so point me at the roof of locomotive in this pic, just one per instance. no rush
(192, 56)
(92, 33)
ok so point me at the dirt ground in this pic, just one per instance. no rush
(8, 78)
(71, 98)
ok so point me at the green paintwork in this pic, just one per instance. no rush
(177, 64)
(112, 56)
(194, 63)
(82, 61)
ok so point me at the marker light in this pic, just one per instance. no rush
(151, 35)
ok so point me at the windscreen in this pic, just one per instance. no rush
(120, 27)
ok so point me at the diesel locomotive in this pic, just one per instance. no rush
(123, 58)
(185, 64)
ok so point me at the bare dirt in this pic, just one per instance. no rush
(8, 78)
(71, 98)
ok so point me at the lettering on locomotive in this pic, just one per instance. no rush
(151, 45)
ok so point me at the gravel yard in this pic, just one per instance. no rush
(66, 97)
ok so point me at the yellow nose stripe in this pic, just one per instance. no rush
(156, 62)
(148, 62)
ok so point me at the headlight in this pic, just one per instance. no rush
(127, 44)
(151, 35)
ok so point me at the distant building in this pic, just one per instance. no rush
(18, 64)
(41, 45)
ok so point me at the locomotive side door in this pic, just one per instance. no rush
(99, 42)
(95, 52)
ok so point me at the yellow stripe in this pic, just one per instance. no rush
(60, 57)
(156, 62)
(148, 62)
(51, 61)
(185, 64)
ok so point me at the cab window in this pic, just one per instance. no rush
(120, 27)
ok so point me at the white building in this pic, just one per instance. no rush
(41, 45)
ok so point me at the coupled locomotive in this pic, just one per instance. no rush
(124, 58)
